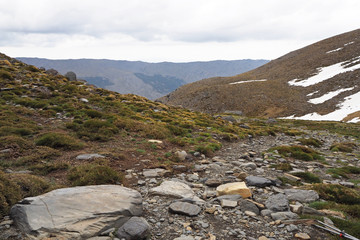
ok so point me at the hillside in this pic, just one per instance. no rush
(151, 80)
(318, 82)
(57, 134)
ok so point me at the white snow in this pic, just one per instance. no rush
(335, 50)
(348, 43)
(310, 94)
(261, 80)
(327, 73)
(354, 120)
(350, 105)
(328, 96)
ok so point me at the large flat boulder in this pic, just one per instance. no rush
(175, 189)
(78, 212)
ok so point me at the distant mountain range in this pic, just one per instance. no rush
(318, 82)
(151, 80)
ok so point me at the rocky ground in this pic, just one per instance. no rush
(185, 204)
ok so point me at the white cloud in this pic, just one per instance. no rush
(170, 25)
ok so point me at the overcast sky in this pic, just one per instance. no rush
(169, 30)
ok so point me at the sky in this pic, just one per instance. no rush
(169, 30)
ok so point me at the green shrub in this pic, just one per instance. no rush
(59, 141)
(7, 130)
(208, 149)
(15, 142)
(32, 68)
(5, 75)
(93, 174)
(343, 171)
(311, 142)
(44, 169)
(308, 177)
(93, 113)
(10, 193)
(337, 193)
(30, 185)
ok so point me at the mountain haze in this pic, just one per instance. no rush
(318, 82)
(151, 80)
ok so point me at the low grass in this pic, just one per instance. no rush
(308, 177)
(282, 166)
(337, 193)
(343, 171)
(310, 142)
(343, 147)
(298, 152)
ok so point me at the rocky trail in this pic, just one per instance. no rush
(235, 194)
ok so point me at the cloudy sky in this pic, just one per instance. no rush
(169, 30)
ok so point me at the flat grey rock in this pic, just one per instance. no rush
(136, 228)
(89, 156)
(284, 216)
(155, 172)
(304, 196)
(185, 208)
(82, 212)
(277, 203)
(258, 181)
(248, 206)
(174, 189)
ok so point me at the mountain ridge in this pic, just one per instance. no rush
(124, 74)
(280, 95)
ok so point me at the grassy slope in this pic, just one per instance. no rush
(275, 97)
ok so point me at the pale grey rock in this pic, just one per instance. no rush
(174, 189)
(311, 211)
(78, 212)
(89, 156)
(277, 203)
(154, 172)
(136, 228)
(185, 208)
(183, 237)
(258, 181)
(228, 203)
(249, 165)
(181, 155)
(284, 215)
(304, 196)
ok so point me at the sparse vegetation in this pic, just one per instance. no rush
(308, 177)
(343, 171)
(310, 142)
(59, 141)
(298, 152)
(343, 147)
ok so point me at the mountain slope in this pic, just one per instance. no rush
(316, 80)
(151, 80)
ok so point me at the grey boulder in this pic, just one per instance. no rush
(258, 181)
(304, 196)
(277, 203)
(78, 212)
(136, 228)
(185, 208)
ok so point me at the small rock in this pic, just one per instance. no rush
(228, 203)
(291, 228)
(302, 236)
(296, 208)
(249, 165)
(155, 172)
(181, 155)
(89, 156)
(213, 182)
(258, 181)
(84, 100)
(174, 189)
(155, 141)
(185, 208)
(183, 237)
(248, 206)
(347, 184)
(250, 214)
(311, 211)
(263, 238)
(284, 215)
(136, 228)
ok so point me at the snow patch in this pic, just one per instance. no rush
(261, 80)
(348, 43)
(335, 50)
(350, 105)
(328, 96)
(354, 120)
(328, 72)
(310, 94)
